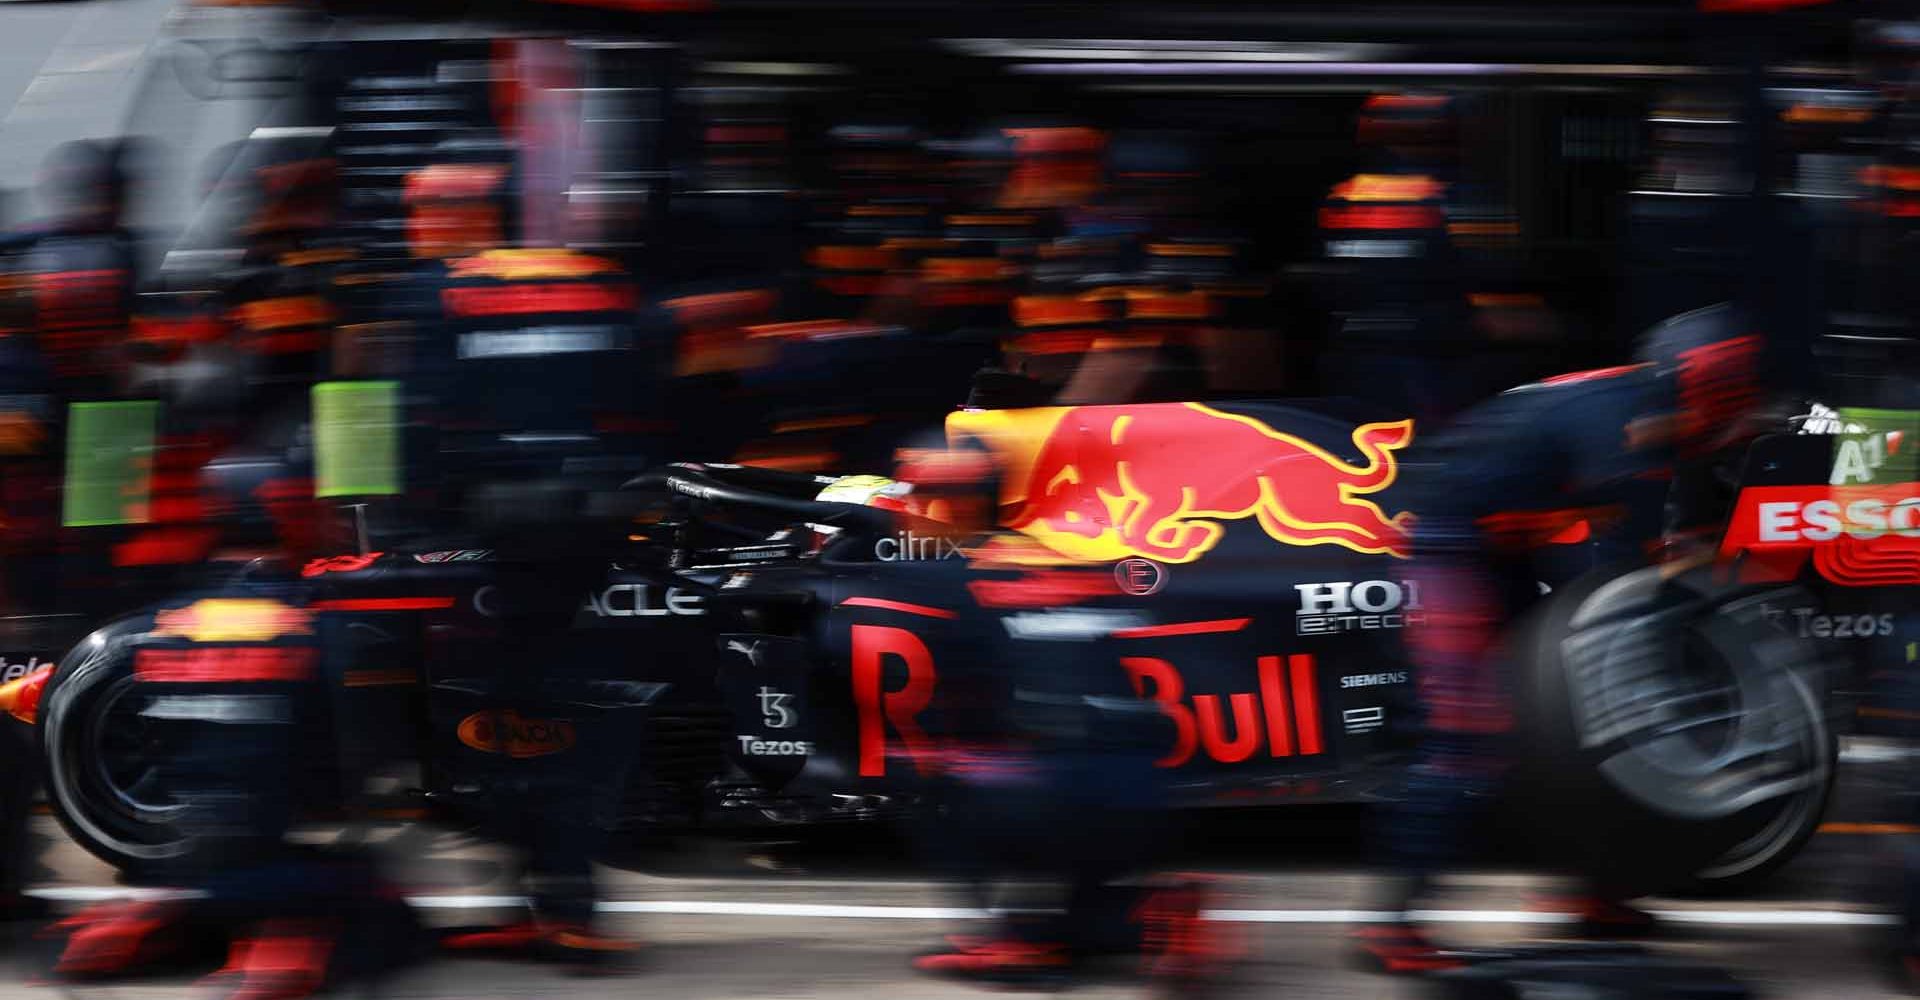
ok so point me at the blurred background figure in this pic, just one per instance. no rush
(280, 299)
(31, 419)
(1402, 332)
(233, 357)
(81, 266)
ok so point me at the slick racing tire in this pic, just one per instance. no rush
(100, 754)
(1673, 736)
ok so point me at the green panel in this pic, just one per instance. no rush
(356, 439)
(109, 463)
(1883, 451)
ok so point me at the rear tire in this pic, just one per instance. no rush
(1674, 736)
(1787, 825)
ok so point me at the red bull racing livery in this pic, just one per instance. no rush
(807, 647)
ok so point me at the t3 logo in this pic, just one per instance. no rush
(773, 708)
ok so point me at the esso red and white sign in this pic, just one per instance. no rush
(1856, 536)
(1824, 520)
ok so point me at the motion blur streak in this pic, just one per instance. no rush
(1212, 498)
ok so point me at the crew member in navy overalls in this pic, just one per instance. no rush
(232, 675)
(1578, 467)
(1045, 768)
(532, 360)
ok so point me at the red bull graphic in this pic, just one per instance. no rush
(1156, 481)
(233, 620)
(1256, 714)
(1281, 717)
(881, 709)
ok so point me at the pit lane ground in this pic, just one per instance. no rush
(838, 915)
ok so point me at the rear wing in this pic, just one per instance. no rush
(1844, 505)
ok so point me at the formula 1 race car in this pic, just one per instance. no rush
(791, 652)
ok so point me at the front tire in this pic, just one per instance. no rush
(100, 756)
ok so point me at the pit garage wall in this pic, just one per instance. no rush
(143, 69)
(67, 71)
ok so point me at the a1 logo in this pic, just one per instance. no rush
(1875, 456)
(1856, 460)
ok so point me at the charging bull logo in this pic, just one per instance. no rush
(233, 620)
(1110, 482)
